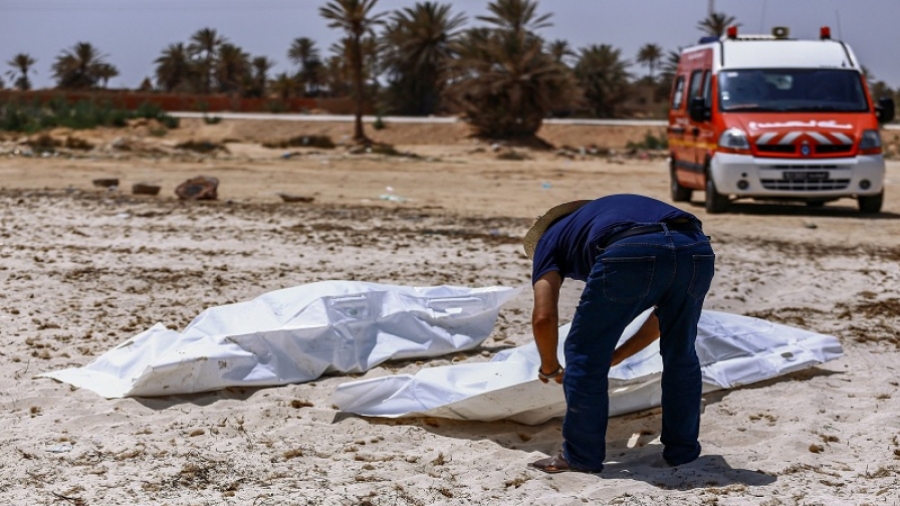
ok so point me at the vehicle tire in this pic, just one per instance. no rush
(715, 201)
(679, 193)
(871, 204)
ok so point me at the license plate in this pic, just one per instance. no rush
(806, 176)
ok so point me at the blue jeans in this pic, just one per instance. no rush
(671, 270)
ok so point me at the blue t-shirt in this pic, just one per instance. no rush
(570, 245)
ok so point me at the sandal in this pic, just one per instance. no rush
(556, 464)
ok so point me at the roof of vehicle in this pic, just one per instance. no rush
(770, 52)
(781, 53)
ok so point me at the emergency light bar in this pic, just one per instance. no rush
(732, 32)
(781, 32)
(825, 32)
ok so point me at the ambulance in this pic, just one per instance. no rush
(768, 117)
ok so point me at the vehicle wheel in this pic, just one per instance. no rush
(679, 193)
(715, 201)
(871, 204)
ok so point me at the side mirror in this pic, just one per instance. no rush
(697, 109)
(884, 111)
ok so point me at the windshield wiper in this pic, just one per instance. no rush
(817, 108)
(746, 107)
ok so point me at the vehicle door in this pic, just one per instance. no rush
(705, 139)
(692, 135)
(678, 122)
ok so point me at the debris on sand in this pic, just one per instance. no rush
(198, 188)
(303, 141)
(287, 197)
(106, 182)
(145, 189)
(204, 147)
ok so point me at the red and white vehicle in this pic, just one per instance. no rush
(775, 118)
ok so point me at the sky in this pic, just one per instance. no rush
(132, 33)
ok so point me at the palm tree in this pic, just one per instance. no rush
(417, 44)
(668, 69)
(716, 24)
(670, 64)
(146, 85)
(105, 72)
(303, 52)
(560, 50)
(650, 55)
(516, 16)
(261, 66)
(355, 18)
(283, 85)
(504, 81)
(173, 68)
(603, 76)
(204, 47)
(342, 77)
(22, 64)
(336, 76)
(78, 67)
(232, 68)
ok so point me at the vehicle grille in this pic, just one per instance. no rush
(776, 148)
(806, 186)
(826, 149)
(821, 149)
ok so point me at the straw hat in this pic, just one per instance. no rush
(544, 221)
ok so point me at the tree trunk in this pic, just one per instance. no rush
(358, 134)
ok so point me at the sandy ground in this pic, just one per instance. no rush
(83, 269)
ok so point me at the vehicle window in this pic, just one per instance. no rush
(678, 94)
(696, 80)
(707, 88)
(825, 90)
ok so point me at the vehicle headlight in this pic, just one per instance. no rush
(734, 138)
(870, 139)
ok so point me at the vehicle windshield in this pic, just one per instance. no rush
(804, 90)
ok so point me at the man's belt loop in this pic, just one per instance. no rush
(690, 226)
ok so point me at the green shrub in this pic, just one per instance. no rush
(650, 142)
(32, 117)
(148, 110)
(170, 122)
(119, 118)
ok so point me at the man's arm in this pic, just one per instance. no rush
(545, 321)
(648, 333)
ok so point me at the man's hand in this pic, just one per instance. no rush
(556, 375)
(648, 333)
(545, 325)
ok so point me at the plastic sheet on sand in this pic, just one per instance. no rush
(733, 350)
(294, 335)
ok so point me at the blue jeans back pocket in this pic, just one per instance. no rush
(627, 279)
(704, 269)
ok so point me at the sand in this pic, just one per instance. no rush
(85, 268)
